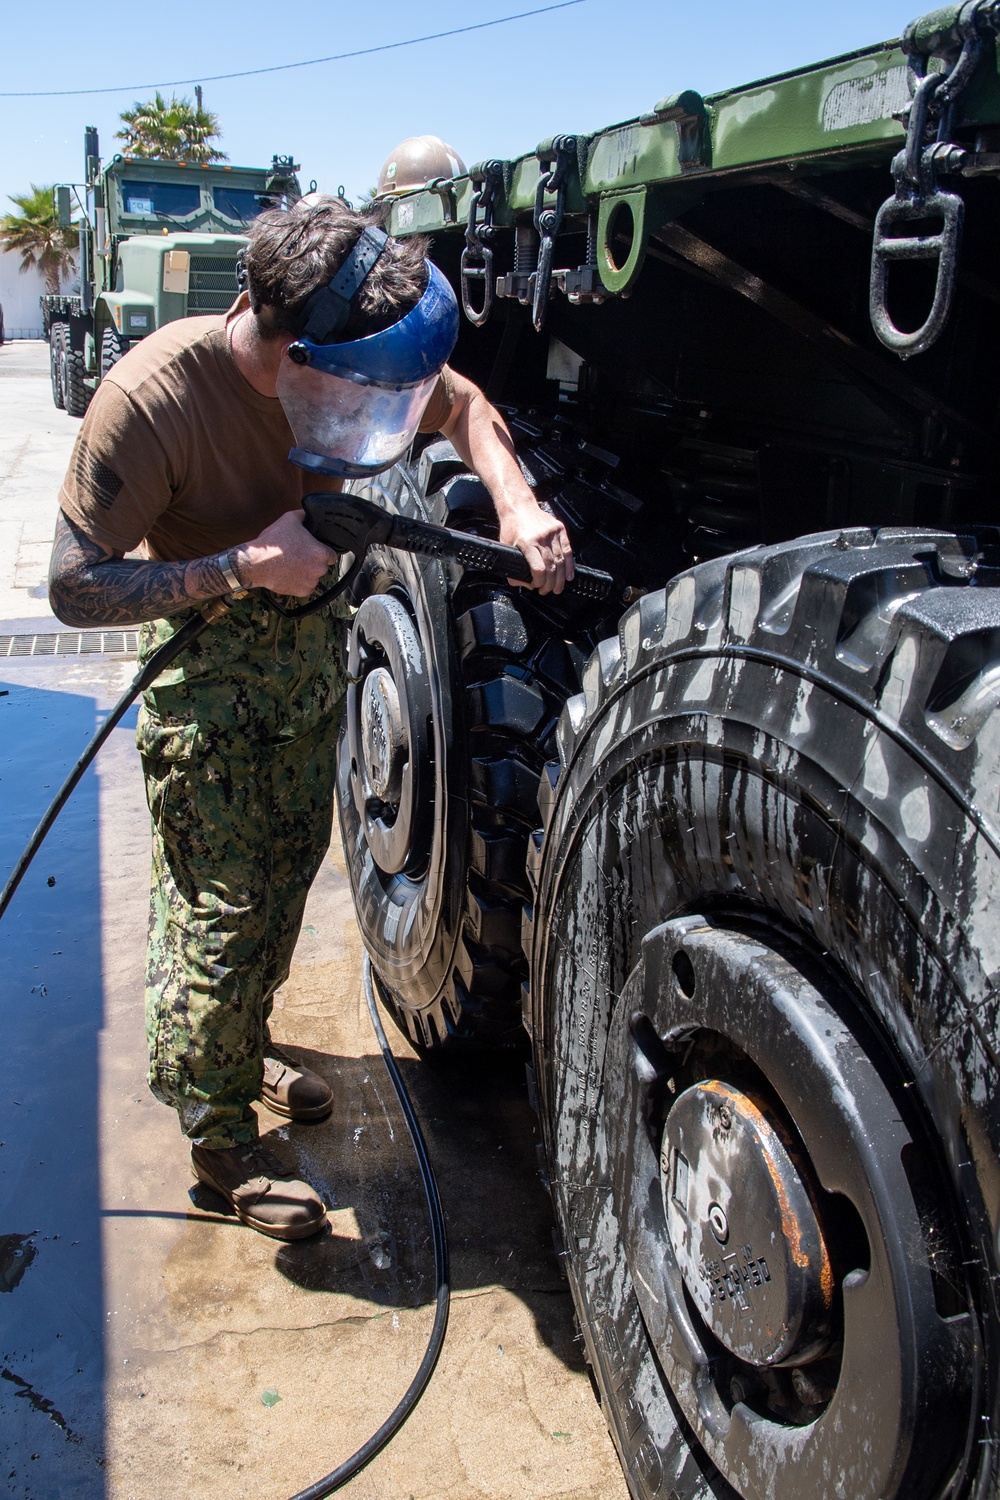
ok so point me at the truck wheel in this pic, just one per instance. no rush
(58, 332)
(76, 394)
(764, 959)
(113, 346)
(456, 683)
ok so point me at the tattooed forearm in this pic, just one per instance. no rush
(88, 586)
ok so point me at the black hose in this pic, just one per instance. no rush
(378, 1440)
(159, 660)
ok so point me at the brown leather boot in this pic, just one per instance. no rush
(293, 1090)
(262, 1192)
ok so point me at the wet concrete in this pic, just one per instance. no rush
(149, 1344)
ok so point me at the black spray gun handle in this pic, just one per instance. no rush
(349, 524)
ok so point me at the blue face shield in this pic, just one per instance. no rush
(354, 408)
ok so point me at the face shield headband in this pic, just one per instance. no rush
(354, 408)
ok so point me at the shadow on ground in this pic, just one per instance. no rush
(481, 1136)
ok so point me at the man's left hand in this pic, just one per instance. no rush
(545, 543)
(479, 435)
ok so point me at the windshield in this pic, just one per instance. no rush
(238, 203)
(174, 199)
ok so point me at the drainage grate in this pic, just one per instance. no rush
(72, 643)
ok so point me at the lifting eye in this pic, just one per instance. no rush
(620, 235)
(624, 222)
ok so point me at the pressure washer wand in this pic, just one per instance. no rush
(158, 662)
(347, 523)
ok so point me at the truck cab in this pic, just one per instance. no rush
(159, 240)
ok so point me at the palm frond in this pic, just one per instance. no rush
(170, 129)
(36, 235)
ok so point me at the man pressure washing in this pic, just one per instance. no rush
(338, 351)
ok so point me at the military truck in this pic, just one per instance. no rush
(159, 240)
(730, 847)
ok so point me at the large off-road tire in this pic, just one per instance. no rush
(113, 347)
(457, 682)
(73, 369)
(58, 335)
(764, 953)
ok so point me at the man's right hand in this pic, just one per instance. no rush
(285, 558)
(90, 585)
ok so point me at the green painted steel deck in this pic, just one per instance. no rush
(840, 113)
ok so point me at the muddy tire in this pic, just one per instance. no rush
(58, 335)
(763, 949)
(457, 684)
(76, 394)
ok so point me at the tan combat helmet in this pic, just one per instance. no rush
(415, 162)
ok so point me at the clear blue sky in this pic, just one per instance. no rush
(491, 93)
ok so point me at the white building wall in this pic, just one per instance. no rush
(19, 296)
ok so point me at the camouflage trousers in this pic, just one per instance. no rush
(238, 744)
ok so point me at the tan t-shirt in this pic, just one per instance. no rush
(180, 453)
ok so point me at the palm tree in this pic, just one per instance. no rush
(36, 234)
(174, 130)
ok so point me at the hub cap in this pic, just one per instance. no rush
(742, 1227)
(383, 735)
(388, 729)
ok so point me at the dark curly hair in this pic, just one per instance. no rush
(293, 251)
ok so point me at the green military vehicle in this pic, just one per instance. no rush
(730, 847)
(159, 240)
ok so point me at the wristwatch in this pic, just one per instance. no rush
(229, 574)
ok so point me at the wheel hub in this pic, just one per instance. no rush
(388, 716)
(383, 735)
(742, 1227)
(732, 1086)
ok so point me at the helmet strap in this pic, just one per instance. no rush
(329, 306)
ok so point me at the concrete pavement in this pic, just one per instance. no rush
(36, 441)
(150, 1345)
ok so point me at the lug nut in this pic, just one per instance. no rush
(808, 1390)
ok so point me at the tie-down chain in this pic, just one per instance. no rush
(927, 154)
